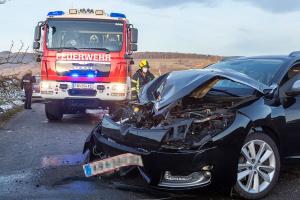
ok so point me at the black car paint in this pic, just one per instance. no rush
(270, 113)
(191, 79)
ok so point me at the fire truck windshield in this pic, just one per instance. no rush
(82, 34)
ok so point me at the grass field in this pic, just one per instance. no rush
(162, 66)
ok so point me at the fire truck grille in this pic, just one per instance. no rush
(83, 70)
(81, 92)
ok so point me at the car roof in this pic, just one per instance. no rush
(277, 57)
(292, 56)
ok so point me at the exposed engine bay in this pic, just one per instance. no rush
(182, 116)
(188, 120)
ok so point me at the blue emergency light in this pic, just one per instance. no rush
(118, 15)
(56, 13)
(91, 76)
(75, 75)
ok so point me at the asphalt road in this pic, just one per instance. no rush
(42, 160)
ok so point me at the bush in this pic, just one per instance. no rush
(10, 92)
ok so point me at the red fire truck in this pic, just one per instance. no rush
(85, 57)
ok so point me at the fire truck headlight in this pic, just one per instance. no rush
(119, 88)
(45, 85)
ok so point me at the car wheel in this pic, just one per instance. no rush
(258, 167)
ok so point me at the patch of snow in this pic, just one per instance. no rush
(10, 95)
(6, 107)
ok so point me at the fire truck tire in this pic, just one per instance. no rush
(53, 112)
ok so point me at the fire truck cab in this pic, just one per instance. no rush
(85, 57)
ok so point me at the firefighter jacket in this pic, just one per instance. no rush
(27, 82)
(138, 81)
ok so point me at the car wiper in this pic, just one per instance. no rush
(68, 48)
(224, 91)
(98, 49)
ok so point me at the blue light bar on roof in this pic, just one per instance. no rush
(56, 13)
(91, 76)
(75, 75)
(118, 15)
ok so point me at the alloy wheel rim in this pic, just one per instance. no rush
(256, 166)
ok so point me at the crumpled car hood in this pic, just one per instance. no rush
(178, 84)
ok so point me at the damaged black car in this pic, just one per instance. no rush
(231, 124)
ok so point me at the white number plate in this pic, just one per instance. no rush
(82, 86)
(112, 163)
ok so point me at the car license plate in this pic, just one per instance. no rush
(112, 163)
(82, 86)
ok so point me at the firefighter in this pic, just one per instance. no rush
(141, 77)
(27, 84)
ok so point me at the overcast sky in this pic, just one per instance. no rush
(221, 27)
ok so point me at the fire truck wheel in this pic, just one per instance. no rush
(53, 112)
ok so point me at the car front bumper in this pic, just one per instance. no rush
(214, 163)
(191, 169)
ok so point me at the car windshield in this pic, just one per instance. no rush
(261, 70)
(78, 34)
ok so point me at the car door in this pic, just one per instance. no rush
(291, 105)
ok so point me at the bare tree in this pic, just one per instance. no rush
(15, 58)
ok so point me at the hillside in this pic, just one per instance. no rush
(161, 62)
(27, 62)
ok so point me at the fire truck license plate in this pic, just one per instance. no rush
(82, 86)
(112, 163)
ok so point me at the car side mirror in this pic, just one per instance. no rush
(294, 90)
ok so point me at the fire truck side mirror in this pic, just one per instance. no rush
(133, 47)
(38, 58)
(134, 35)
(36, 45)
(37, 33)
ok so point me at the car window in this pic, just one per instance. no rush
(291, 76)
(229, 84)
(293, 71)
(232, 88)
(262, 70)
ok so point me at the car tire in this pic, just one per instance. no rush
(258, 167)
(53, 112)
